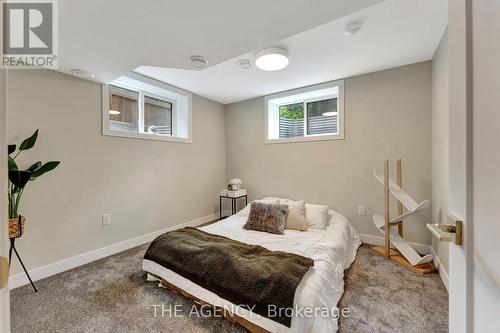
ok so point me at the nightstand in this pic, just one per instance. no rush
(233, 196)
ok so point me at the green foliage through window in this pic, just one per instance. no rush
(292, 111)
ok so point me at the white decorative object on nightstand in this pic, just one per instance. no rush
(235, 184)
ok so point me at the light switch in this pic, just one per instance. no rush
(106, 219)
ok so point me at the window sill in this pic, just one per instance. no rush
(306, 139)
(143, 136)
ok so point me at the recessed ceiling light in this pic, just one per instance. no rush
(244, 63)
(272, 59)
(352, 27)
(198, 61)
(81, 73)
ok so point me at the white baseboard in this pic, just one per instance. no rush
(379, 241)
(440, 268)
(66, 264)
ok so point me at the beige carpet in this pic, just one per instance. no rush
(383, 296)
(111, 295)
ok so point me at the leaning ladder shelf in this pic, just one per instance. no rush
(403, 253)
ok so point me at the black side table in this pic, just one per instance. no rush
(233, 204)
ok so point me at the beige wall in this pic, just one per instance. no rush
(387, 115)
(440, 143)
(145, 185)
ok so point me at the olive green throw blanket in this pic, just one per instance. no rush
(247, 275)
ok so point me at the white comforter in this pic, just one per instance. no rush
(333, 250)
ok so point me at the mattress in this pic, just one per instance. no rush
(333, 250)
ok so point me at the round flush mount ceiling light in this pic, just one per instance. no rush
(81, 73)
(272, 59)
(244, 63)
(352, 27)
(198, 61)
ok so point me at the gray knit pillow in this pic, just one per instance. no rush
(267, 217)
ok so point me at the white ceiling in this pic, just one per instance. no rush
(112, 37)
(394, 33)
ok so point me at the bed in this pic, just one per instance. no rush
(333, 250)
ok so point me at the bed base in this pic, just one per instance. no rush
(253, 328)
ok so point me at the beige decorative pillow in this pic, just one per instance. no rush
(285, 201)
(296, 218)
(273, 199)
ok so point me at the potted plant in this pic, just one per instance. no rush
(18, 179)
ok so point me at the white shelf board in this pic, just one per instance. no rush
(397, 191)
(406, 250)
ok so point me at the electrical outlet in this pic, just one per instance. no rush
(106, 219)
(362, 210)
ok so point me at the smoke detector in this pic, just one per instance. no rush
(198, 61)
(352, 27)
(244, 63)
(82, 73)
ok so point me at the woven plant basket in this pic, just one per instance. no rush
(16, 228)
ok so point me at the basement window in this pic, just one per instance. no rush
(312, 113)
(135, 106)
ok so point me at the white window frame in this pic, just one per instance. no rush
(304, 95)
(181, 108)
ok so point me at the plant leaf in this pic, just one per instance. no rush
(44, 168)
(16, 189)
(29, 142)
(34, 166)
(12, 148)
(19, 178)
(12, 164)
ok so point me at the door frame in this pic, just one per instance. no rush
(461, 168)
(4, 293)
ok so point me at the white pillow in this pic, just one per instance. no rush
(296, 217)
(316, 216)
(269, 200)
